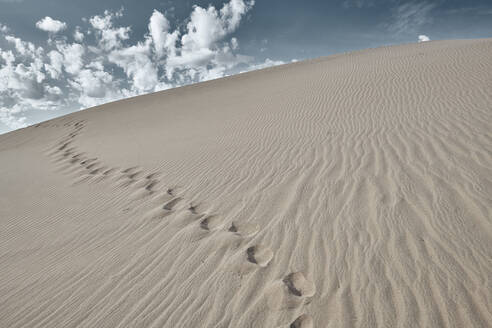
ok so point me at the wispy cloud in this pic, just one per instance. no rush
(408, 18)
(474, 10)
(358, 3)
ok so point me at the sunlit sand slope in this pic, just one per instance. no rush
(348, 191)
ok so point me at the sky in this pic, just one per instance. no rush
(59, 56)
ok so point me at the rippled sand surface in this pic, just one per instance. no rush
(349, 191)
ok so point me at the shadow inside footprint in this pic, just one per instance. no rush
(244, 229)
(170, 205)
(259, 255)
(151, 185)
(251, 254)
(109, 171)
(233, 228)
(210, 222)
(193, 208)
(299, 285)
(291, 292)
(204, 224)
(152, 176)
(303, 321)
(130, 169)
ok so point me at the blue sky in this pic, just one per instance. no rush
(60, 56)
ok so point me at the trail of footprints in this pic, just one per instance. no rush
(292, 291)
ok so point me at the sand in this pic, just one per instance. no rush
(348, 191)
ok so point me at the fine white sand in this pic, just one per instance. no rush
(348, 191)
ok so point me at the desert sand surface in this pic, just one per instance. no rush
(353, 190)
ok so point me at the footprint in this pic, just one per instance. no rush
(291, 292)
(90, 166)
(76, 158)
(170, 205)
(303, 321)
(134, 175)
(299, 285)
(95, 171)
(130, 170)
(210, 222)
(109, 171)
(260, 255)
(151, 185)
(143, 183)
(130, 173)
(187, 220)
(68, 152)
(244, 229)
(193, 208)
(152, 176)
(144, 188)
(65, 145)
(87, 161)
(158, 213)
(124, 182)
(161, 197)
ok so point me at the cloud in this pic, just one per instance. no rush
(357, 3)
(92, 83)
(410, 17)
(49, 24)
(55, 65)
(138, 66)
(164, 42)
(73, 54)
(267, 63)
(207, 26)
(201, 56)
(107, 66)
(234, 43)
(470, 10)
(23, 47)
(423, 38)
(22, 83)
(11, 118)
(3, 28)
(78, 35)
(109, 37)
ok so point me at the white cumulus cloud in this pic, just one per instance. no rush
(78, 35)
(109, 37)
(423, 38)
(138, 66)
(164, 42)
(108, 66)
(49, 24)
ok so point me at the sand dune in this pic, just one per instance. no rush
(348, 191)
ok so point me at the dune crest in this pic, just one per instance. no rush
(347, 191)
